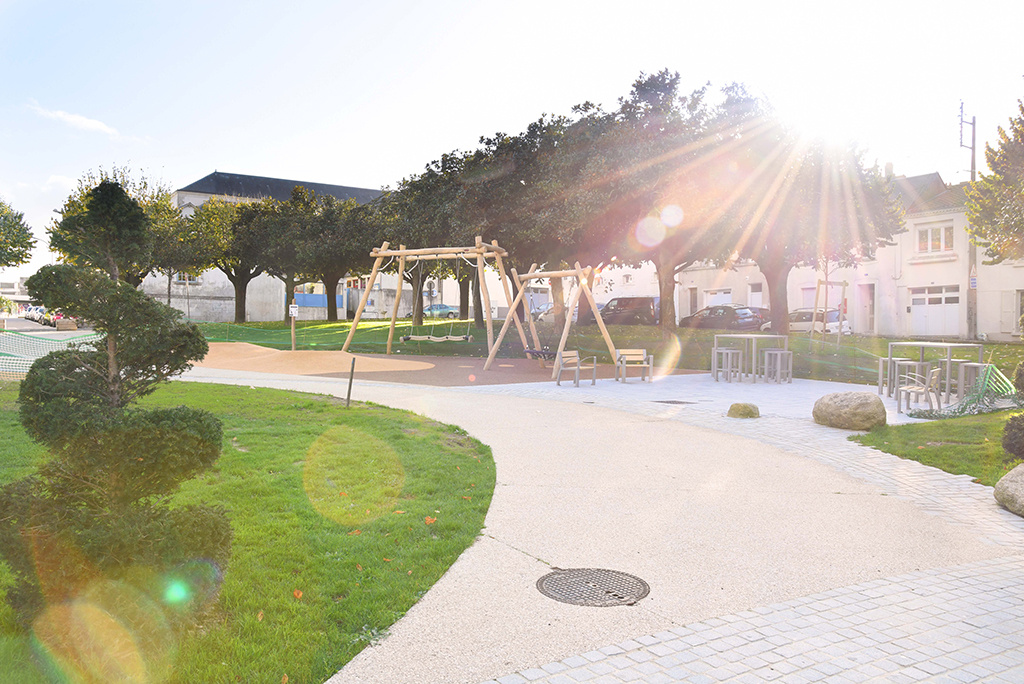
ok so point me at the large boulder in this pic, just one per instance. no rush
(743, 411)
(850, 410)
(1009, 490)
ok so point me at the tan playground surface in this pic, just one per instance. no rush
(445, 371)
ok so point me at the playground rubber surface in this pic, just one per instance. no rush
(438, 371)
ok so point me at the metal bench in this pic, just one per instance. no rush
(634, 358)
(571, 361)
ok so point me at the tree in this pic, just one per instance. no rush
(240, 233)
(16, 241)
(334, 239)
(805, 204)
(96, 515)
(995, 206)
(162, 245)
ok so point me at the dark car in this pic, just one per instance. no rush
(723, 317)
(764, 314)
(627, 311)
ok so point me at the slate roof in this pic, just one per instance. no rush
(257, 187)
(927, 193)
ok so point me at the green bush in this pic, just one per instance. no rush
(1013, 437)
(96, 515)
(1018, 377)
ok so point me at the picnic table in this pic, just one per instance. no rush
(751, 340)
(946, 348)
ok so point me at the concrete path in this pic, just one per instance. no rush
(775, 549)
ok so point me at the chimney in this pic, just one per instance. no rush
(888, 169)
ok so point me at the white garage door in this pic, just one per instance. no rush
(935, 311)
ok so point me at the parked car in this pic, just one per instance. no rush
(440, 311)
(800, 321)
(548, 315)
(723, 317)
(764, 314)
(35, 313)
(627, 311)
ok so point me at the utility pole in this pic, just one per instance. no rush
(972, 248)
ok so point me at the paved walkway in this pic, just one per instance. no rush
(776, 549)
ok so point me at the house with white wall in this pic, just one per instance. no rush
(211, 296)
(917, 287)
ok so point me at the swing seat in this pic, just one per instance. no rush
(545, 354)
(436, 338)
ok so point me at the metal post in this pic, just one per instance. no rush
(972, 248)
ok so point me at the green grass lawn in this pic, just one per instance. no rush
(971, 445)
(342, 519)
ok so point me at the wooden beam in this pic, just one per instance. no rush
(398, 299)
(365, 297)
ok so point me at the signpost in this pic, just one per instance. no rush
(293, 312)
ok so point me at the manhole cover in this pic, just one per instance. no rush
(672, 401)
(593, 587)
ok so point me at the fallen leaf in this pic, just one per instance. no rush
(355, 532)
(284, 680)
(298, 593)
(456, 467)
(429, 520)
(387, 560)
(359, 567)
(399, 512)
(259, 616)
(410, 572)
(342, 493)
(468, 498)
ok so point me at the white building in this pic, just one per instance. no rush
(211, 296)
(918, 287)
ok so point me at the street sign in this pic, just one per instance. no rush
(293, 310)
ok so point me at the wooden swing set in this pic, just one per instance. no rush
(480, 252)
(582, 276)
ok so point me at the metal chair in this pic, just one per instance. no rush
(927, 386)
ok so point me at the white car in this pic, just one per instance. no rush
(800, 321)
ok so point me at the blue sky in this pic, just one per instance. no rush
(367, 93)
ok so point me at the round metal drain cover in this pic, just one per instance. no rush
(593, 587)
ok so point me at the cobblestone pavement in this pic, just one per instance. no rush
(959, 624)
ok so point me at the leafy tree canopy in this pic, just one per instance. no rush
(995, 205)
(16, 240)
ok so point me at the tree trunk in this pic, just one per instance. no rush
(777, 278)
(478, 305)
(464, 286)
(240, 280)
(330, 281)
(667, 291)
(170, 274)
(558, 303)
(289, 291)
(417, 296)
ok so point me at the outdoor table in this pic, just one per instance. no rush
(948, 347)
(752, 340)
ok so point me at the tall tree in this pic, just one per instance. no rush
(243, 248)
(16, 241)
(158, 248)
(995, 204)
(334, 240)
(802, 203)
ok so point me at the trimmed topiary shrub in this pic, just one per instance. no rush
(1013, 438)
(94, 523)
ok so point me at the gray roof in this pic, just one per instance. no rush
(257, 187)
(921, 194)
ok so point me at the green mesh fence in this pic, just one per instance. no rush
(992, 391)
(18, 351)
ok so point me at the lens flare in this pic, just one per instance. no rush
(112, 632)
(649, 231)
(667, 357)
(672, 215)
(177, 592)
(363, 466)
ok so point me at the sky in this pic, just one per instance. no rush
(367, 93)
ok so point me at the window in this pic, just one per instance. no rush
(182, 278)
(935, 237)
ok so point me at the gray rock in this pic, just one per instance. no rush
(1009, 490)
(743, 411)
(850, 410)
